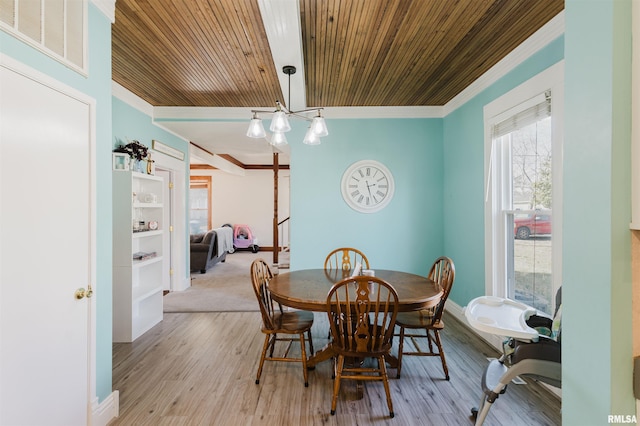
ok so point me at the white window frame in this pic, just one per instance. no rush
(551, 79)
(67, 34)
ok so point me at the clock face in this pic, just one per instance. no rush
(367, 186)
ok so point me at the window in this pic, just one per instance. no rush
(57, 28)
(522, 149)
(200, 204)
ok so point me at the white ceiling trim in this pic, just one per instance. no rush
(234, 114)
(281, 19)
(107, 7)
(203, 113)
(541, 38)
(383, 112)
(215, 161)
(131, 99)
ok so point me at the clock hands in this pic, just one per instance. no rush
(369, 189)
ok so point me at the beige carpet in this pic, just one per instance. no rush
(226, 287)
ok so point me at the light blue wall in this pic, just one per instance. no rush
(97, 85)
(407, 234)
(131, 124)
(597, 322)
(464, 175)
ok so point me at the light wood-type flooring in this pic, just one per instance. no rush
(199, 369)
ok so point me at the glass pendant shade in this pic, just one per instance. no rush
(279, 122)
(319, 127)
(256, 129)
(278, 138)
(311, 138)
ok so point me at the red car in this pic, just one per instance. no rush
(532, 224)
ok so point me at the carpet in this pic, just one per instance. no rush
(226, 287)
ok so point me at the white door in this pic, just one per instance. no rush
(45, 253)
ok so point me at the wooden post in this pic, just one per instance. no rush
(276, 249)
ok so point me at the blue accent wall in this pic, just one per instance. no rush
(130, 124)
(407, 234)
(597, 291)
(464, 175)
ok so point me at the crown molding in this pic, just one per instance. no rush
(107, 7)
(214, 113)
(130, 98)
(541, 38)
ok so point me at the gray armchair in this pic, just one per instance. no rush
(204, 251)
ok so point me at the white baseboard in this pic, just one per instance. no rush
(181, 285)
(109, 409)
(458, 312)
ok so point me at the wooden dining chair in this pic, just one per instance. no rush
(276, 322)
(345, 259)
(430, 320)
(362, 313)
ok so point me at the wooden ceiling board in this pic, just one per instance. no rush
(505, 26)
(205, 53)
(403, 52)
(356, 52)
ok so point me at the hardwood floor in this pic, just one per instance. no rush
(199, 369)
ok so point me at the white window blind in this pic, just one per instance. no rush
(527, 113)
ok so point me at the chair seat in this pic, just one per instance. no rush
(417, 320)
(292, 322)
(430, 320)
(276, 322)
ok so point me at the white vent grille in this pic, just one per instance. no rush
(55, 27)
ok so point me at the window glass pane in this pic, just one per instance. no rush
(531, 166)
(529, 255)
(199, 216)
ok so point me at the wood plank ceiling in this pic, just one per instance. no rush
(356, 52)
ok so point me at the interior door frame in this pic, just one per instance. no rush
(50, 82)
(180, 279)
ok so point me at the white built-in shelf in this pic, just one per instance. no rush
(137, 284)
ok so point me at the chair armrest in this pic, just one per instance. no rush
(200, 248)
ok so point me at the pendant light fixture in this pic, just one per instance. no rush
(280, 121)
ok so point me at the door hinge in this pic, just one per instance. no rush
(170, 271)
(170, 185)
(170, 228)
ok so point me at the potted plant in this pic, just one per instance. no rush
(137, 152)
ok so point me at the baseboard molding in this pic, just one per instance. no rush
(458, 312)
(182, 284)
(109, 409)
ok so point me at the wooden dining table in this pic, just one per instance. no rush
(307, 289)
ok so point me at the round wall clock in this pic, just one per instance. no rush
(367, 186)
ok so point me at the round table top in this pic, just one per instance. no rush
(307, 289)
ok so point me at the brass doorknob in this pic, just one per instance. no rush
(81, 293)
